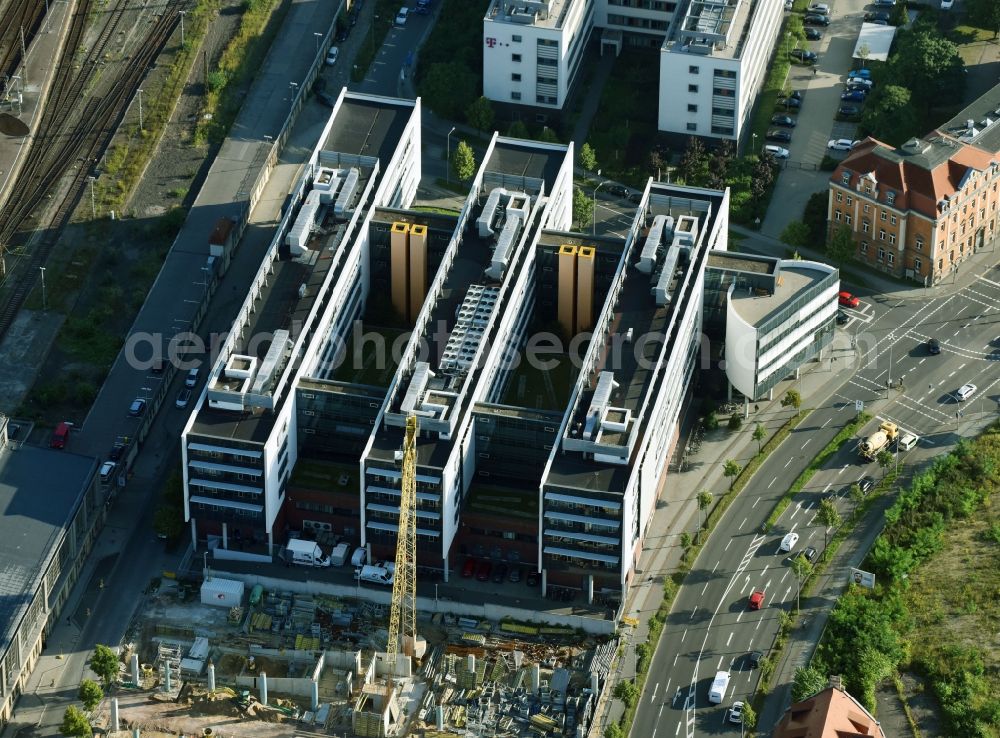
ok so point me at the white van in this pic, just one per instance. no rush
(720, 685)
(359, 557)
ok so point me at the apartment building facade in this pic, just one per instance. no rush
(918, 211)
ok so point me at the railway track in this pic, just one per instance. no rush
(17, 15)
(71, 137)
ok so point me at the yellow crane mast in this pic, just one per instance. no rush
(403, 615)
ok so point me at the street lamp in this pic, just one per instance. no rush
(754, 143)
(374, 21)
(182, 13)
(93, 205)
(594, 230)
(890, 338)
(447, 167)
(140, 108)
(44, 304)
(317, 35)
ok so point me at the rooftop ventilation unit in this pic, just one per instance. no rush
(422, 374)
(326, 183)
(346, 196)
(272, 360)
(517, 216)
(606, 384)
(297, 239)
(490, 212)
(663, 225)
(661, 290)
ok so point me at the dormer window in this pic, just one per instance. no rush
(845, 178)
(890, 197)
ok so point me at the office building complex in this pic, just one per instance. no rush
(713, 54)
(919, 210)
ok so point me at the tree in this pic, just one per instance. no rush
(448, 89)
(808, 681)
(614, 731)
(719, 165)
(583, 209)
(480, 114)
(588, 157)
(463, 161)
(841, 246)
(657, 161)
(855, 493)
(694, 163)
(548, 135)
(984, 14)
(90, 694)
(803, 568)
(104, 663)
(749, 716)
(517, 129)
(735, 422)
(792, 399)
(75, 724)
(884, 459)
(704, 501)
(890, 115)
(796, 234)
(814, 216)
(732, 470)
(828, 517)
(627, 692)
(168, 521)
(928, 63)
(759, 434)
(864, 51)
(711, 421)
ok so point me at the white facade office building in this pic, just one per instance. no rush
(713, 54)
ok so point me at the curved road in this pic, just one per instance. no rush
(710, 627)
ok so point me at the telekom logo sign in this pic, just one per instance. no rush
(491, 42)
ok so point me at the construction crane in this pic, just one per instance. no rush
(403, 615)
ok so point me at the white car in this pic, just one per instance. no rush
(841, 144)
(401, 16)
(107, 469)
(788, 542)
(946, 4)
(965, 392)
(331, 56)
(821, 8)
(183, 398)
(736, 713)
(907, 442)
(776, 151)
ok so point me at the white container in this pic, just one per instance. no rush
(221, 592)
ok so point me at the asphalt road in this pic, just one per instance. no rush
(711, 627)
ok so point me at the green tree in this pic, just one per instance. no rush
(814, 216)
(583, 210)
(657, 161)
(168, 521)
(627, 692)
(928, 63)
(588, 157)
(735, 422)
(548, 135)
(841, 246)
(614, 731)
(104, 663)
(802, 567)
(792, 399)
(749, 716)
(890, 115)
(448, 89)
(694, 163)
(480, 114)
(686, 539)
(711, 421)
(828, 517)
(731, 469)
(75, 724)
(808, 681)
(855, 493)
(463, 161)
(90, 694)
(984, 14)
(704, 501)
(517, 129)
(759, 434)
(884, 459)
(796, 234)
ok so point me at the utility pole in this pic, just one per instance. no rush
(44, 302)
(182, 13)
(24, 59)
(93, 203)
(140, 109)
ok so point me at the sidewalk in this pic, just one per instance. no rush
(888, 288)
(677, 509)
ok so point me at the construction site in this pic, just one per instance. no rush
(216, 659)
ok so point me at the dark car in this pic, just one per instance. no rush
(785, 121)
(866, 484)
(779, 135)
(515, 574)
(469, 568)
(797, 94)
(116, 452)
(754, 657)
(500, 573)
(814, 34)
(806, 57)
(532, 579)
(789, 103)
(848, 111)
(876, 16)
(853, 96)
(809, 554)
(342, 33)
(879, 22)
(635, 197)
(325, 98)
(483, 571)
(816, 19)
(619, 190)
(934, 347)
(842, 317)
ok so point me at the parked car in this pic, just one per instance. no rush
(776, 151)
(965, 392)
(885, 3)
(500, 573)
(876, 15)
(342, 33)
(183, 398)
(401, 16)
(325, 98)
(116, 452)
(515, 574)
(483, 571)
(853, 95)
(137, 408)
(192, 377)
(754, 658)
(934, 347)
(842, 317)
(736, 713)
(619, 190)
(847, 299)
(779, 135)
(789, 103)
(815, 19)
(107, 470)
(789, 4)
(946, 4)
(840, 144)
(848, 111)
(469, 568)
(757, 599)
(813, 34)
(804, 56)
(809, 554)
(786, 121)
(867, 484)
(879, 23)
(907, 442)
(797, 94)
(332, 55)
(820, 8)
(532, 579)
(859, 83)
(859, 74)
(788, 542)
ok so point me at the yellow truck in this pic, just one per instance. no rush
(879, 440)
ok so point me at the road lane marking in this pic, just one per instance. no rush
(764, 570)
(783, 577)
(772, 482)
(729, 640)
(826, 423)
(693, 612)
(684, 635)
(806, 443)
(728, 545)
(786, 593)
(704, 588)
(719, 667)
(841, 471)
(988, 281)
(740, 615)
(653, 696)
(788, 462)
(715, 567)
(797, 508)
(755, 503)
(793, 528)
(827, 487)
(759, 621)
(742, 524)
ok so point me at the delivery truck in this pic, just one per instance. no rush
(306, 553)
(376, 573)
(338, 557)
(717, 692)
